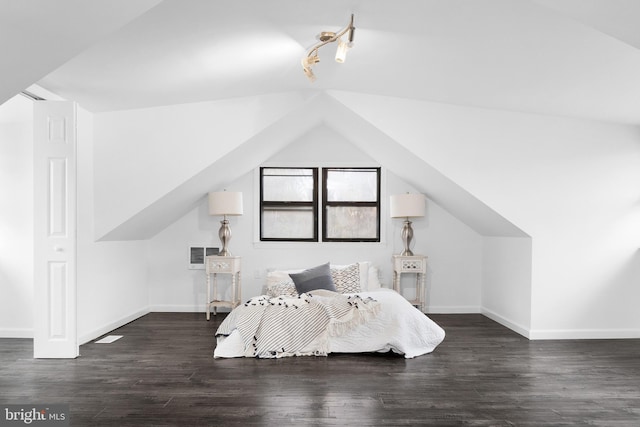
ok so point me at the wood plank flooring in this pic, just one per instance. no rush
(162, 373)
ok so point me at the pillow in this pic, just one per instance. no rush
(373, 282)
(346, 279)
(275, 277)
(369, 280)
(286, 288)
(313, 278)
(363, 266)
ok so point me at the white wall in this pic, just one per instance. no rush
(16, 218)
(569, 184)
(572, 185)
(111, 276)
(454, 250)
(506, 281)
(157, 149)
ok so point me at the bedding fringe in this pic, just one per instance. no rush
(324, 314)
(362, 314)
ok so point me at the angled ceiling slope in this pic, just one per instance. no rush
(320, 109)
(417, 172)
(576, 58)
(247, 156)
(38, 36)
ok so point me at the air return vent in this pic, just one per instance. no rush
(197, 254)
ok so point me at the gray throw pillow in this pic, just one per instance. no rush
(313, 278)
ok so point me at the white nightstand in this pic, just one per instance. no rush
(416, 264)
(215, 265)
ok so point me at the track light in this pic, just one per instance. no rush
(309, 73)
(307, 62)
(341, 53)
(326, 37)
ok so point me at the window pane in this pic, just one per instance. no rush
(287, 185)
(287, 223)
(352, 222)
(352, 185)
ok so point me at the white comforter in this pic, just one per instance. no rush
(399, 327)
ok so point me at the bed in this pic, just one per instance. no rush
(326, 309)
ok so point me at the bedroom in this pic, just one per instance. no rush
(536, 198)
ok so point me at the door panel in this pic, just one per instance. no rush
(55, 332)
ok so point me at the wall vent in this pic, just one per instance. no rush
(197, 254)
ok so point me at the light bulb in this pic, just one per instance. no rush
(309, 74)
(341, 53)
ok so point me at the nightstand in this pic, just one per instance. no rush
(416, 264)
(215, 265)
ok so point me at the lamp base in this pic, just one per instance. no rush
(407, 236)
(225, 235)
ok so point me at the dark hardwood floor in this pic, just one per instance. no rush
(162, 373)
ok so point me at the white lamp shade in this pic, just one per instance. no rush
(225, 203)
(407, 205)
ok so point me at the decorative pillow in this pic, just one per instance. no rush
(284, 288)
(313, 278)
(373, 282)
(277, 276)
(346, 279)
(363, 266)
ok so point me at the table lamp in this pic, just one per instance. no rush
(407, 206)
(225, 203)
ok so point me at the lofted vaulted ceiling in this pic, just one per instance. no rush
(561, 57)
(574, 58)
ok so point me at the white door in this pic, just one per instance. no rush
(55, 334)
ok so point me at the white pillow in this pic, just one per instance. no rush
(280, 283)
(277, 276)
(373, 280)
(287, 288)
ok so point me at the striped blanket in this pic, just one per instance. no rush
(296, 326)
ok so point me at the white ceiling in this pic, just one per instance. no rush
(563, 57)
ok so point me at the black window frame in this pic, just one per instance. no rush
(326, 204)
(317, 204)
(290, 204)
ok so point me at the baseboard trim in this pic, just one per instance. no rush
(584, 334)
(16, 333)
(453, 309)
(525, 332)
(183, 308)
(85, 338)
(532, 334)
(177, 308)
(562, 334)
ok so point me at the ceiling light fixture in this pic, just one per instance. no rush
(326, 37)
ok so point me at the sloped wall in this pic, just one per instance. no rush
(570, 184)
(111, 276)
(217, 168)
(454, 250)
(565, 183)
(142, 155)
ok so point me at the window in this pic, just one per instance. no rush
(350, 204)
(289, 204)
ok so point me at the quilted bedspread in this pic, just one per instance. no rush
(296, 326)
